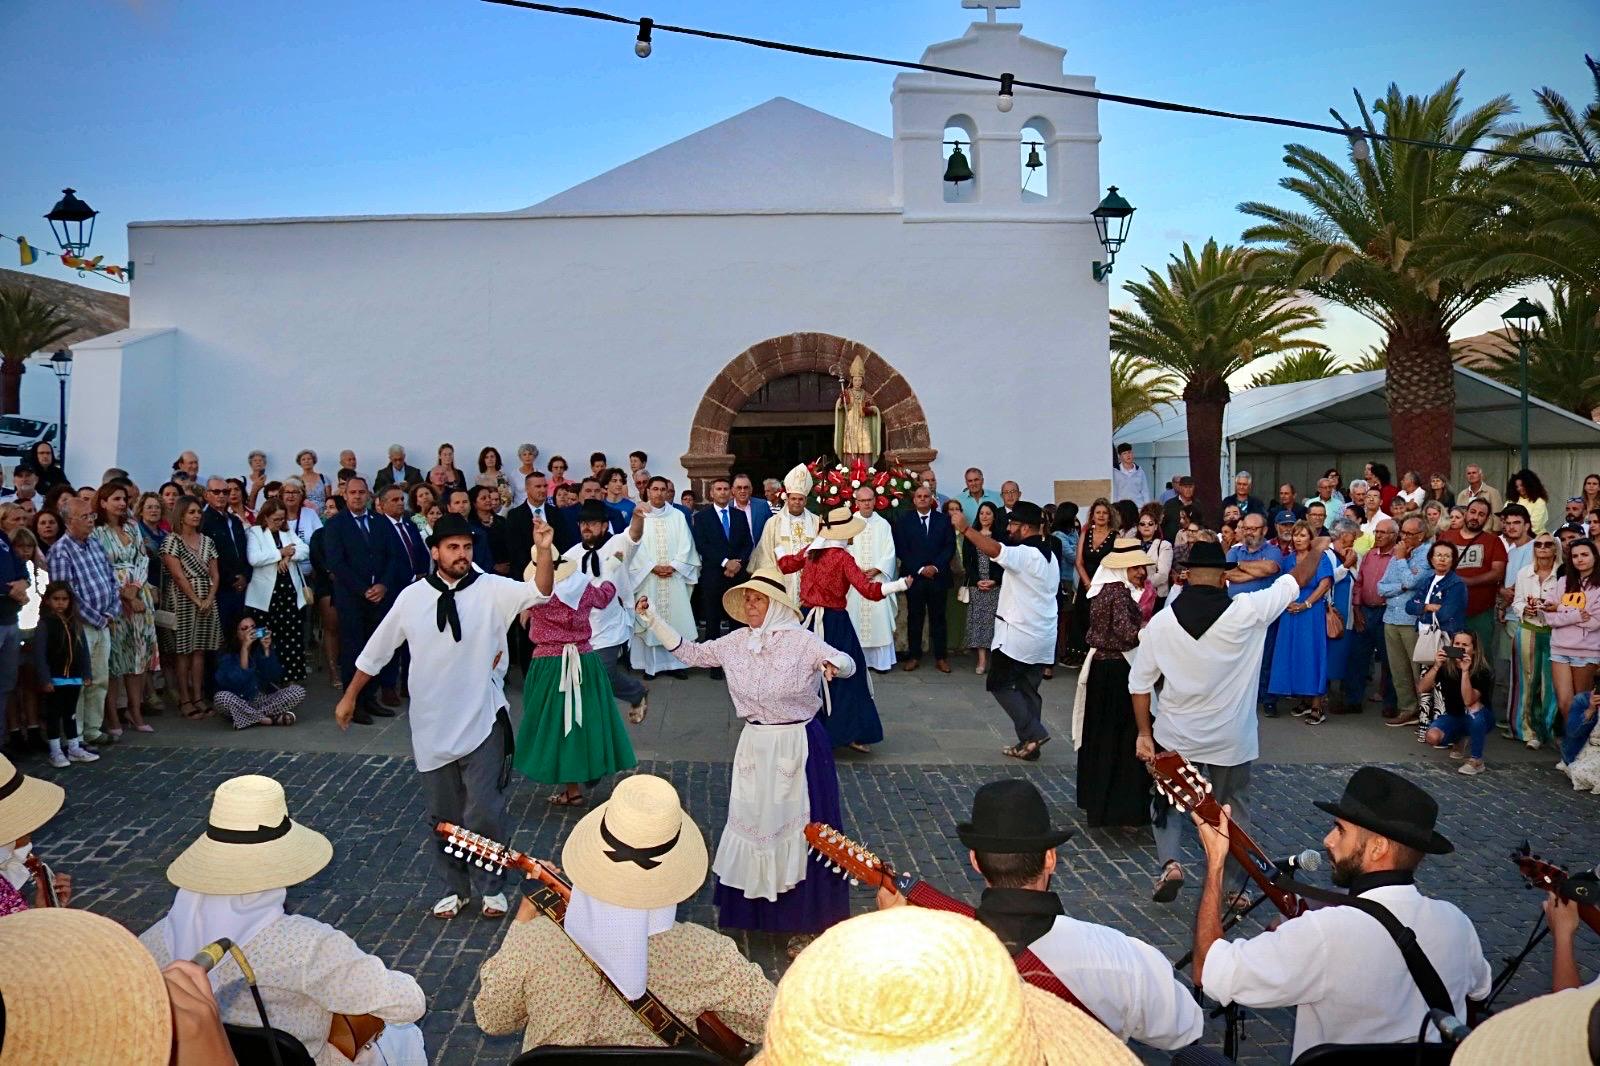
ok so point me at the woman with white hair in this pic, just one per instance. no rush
(774, 670)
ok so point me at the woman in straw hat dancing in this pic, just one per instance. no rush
(783, 772)
(631, 861)
(26, 803)
(1113, 786)
(827, 573)
(233, 882)
(571, 731)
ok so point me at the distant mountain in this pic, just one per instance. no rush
(93, 311)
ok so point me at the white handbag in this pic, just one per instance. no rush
(1430, 638)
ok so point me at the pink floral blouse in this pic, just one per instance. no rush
(780, 684)
(11, 901)
(553, 625)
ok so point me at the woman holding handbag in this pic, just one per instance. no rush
(1439, 603)
(1338, 621)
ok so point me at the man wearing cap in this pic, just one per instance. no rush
(1207, 647)
(1024, 640)
(1339, 966)
(632, 860)
(232, 883)
(605, 556)
(789, 530)
(664, 568)
(1125, 983)
(455, 622)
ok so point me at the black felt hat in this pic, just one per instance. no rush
(449, 525)
(594, 511)
(1029, 514)
(1010, 817)
(1206, 555)
(1383, 802)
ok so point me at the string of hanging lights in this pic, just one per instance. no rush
(1359, 138)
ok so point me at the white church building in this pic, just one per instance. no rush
(695, 303)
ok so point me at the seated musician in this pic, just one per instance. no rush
(914, 985)
(26, 803)
(1562, 914)
(232, 883)
(631, 860)
(1559, 1029)
(1126, 983)
(1338, 965)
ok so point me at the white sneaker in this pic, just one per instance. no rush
(58, 759)
(78, 753)
(1472, 767)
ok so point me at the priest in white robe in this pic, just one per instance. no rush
(789, 531)
(873, 551)
(663, 568)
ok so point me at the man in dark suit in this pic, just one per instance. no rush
(227, 531)
(722, 537)
(756, 510)
(565, 519)
(398, 472)
(361, 556)
(411, 561)
(519, 523)
(925, 542)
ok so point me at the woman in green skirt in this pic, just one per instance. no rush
(571, 732)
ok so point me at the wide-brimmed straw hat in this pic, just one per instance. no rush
(1551, 1030)
(250, 844)
(1126, 552)
(911, 985)
(638, 849)
(1383, 802)
(80, 988)
(768, 580)
(841, 523)
(26, 802)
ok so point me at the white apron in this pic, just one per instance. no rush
(763, 847)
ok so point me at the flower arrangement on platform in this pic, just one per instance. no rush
(835, 486)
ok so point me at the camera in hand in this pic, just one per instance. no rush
(261, 632)
(1453, 652)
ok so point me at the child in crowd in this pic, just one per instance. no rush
(61, 661)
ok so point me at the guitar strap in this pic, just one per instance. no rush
(648, 1008)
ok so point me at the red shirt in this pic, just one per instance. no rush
(825, 580)
(1477, 555)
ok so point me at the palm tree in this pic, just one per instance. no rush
(1202, 323)
(1361, 244)
(1311, 364)
(1563, 358)
(28, 324)
(1139, 387)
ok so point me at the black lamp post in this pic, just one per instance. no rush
(67, 220)
(1111, 221)
(61, 363)
(1525, 317)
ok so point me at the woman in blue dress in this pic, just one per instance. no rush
(1300, 654)
(1344, 538)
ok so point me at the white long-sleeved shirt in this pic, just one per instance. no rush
(455, 688)
(1129, 985)
(612, 624)
(1129, 485)
(1025, 616)
(1346, 974)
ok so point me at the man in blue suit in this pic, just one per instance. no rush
(722, 537)
(925, 542)
(756, 510)
(363, 558)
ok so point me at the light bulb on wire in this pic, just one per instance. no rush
(1360, 150)
(641, 46)
(1005, 99)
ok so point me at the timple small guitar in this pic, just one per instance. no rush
(710, 1030)
(43, 876)
(847, 858)
(1188, 790)
(1552, 878)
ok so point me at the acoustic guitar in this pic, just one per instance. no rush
(849, 859)
(1189, 791)
(711, 1031)
(43, 876)
(1549, 877)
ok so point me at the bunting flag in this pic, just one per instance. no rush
(28, 255)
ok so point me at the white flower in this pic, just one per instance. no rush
(855, 484)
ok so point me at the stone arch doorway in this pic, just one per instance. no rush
(905, 426)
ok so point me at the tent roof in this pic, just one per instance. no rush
(1350, 413)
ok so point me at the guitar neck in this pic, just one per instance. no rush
(1255, 861)
(44, 878)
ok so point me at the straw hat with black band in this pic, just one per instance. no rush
(250, 843)
(908, 985)
(1113, 569)
(768, 580)
(639, 849)
(841, 523)
(26, 802)
(79, 988)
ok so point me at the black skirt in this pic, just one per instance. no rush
(1113, 786)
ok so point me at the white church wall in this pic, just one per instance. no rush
(603, 333)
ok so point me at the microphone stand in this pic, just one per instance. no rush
(1513, 963)
(1232, 1016)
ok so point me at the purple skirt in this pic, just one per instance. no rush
(823, 898)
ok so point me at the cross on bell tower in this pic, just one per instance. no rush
(991, 6)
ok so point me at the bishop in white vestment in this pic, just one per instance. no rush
(873, 550)
(789, 531)
(663, 568)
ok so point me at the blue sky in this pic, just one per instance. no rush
(229, 110)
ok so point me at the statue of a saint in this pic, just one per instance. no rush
(857, 426)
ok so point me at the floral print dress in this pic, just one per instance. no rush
(133, 634)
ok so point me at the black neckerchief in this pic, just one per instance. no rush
(1018, 916)
(1198, 609)
(446, 613)
(590, 564)
(1047, 545)
(1379, 878)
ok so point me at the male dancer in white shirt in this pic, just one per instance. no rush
(605, 556)
(455, 622)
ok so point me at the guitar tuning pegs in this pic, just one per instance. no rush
(854, 882)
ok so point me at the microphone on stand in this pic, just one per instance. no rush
(1451, 1029)
(1308, 860)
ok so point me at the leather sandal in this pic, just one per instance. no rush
(1170, 883)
